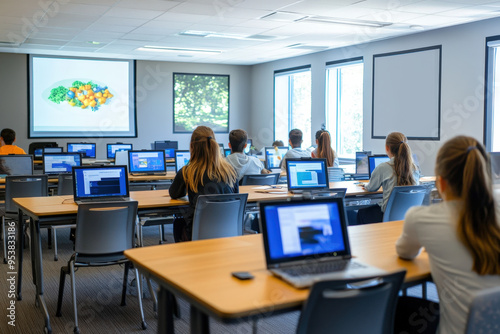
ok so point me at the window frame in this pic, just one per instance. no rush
(492, 50)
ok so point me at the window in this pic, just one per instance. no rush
(292, 103)
(492, 94)
(201, 99)
(344, 106)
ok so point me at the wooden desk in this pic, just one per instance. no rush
(200, 271)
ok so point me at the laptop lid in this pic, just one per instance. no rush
(169, 146)
(86, 149)
(16, 164)
(362, 162)
(100, 182)
(60, 163)
(181, 159)
(303, 230)
(147, 161)
(274, 156)
(306, 174)
(112, 148)
(375, 160)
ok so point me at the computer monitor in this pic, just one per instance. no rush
(169, 146)
(100, 182)
(306, 174)
(495, 167)
(362, 162)
(86, 149)
(18, 164)
(147, 162)
(112, 148)
(60, 163)
(274, 156)
(249, 146)
(181, 159)
(375, 160)
(227, 151)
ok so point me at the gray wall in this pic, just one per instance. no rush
(154, 101)
(462, 87)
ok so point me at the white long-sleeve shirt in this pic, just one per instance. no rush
(435, 228)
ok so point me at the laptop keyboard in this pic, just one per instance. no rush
(319, 268)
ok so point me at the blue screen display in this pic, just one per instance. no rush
(86, 149)
(146, 161)
(100, 182)
(307, 174)
(112, 148)
(375, 160)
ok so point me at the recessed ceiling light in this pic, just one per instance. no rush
(338, 20)
(94, 42)
(195, 33)
(283, 16)
(11, 44)
(213, 34)
(174, 49)
(302, 46)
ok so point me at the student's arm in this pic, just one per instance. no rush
(178, 188)
(376, 179)
(408, 246)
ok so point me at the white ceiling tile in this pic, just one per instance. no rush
(133, 13)
(83, 9)
(391, 16)
(433, 21)
(110, 28)
(430, 7)
(244, 31)
(263, 24)
(45, 42)
(471, 12)
(243, 13)
(114, 21)
(224, 21)
(196, 9)
(149, 4)
(263, 4)
(142, 37)
(178, 17)
(207, 27)
(94, 2)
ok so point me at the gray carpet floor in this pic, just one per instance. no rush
(99, 293)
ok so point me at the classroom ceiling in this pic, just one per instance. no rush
(241, 32)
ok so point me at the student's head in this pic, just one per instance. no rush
(397, 146)
(8, 136)
(325, 147)
(295, 138)
(463, 173)
(238, 140)
(278, 143)
(206, 158)
(318, 135)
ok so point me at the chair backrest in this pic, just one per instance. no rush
(105, 227)
(401, 199)
(219, 216)
(33, 146)
(24, 186)
(336, 174)
(260, 179)
(343, 307)
(65, 184)
(484, 313)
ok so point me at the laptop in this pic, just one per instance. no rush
(169, 146)
(181, 159)
(112, 148)
(86, 149)
(274, 156)
(227, 152)
(147, 162)
(307, 241)
(100, 183)
(54, 164)
(16, 164)
(40, 151)
(248, 147)
(362, 171)
(374, 161)
(307, 175)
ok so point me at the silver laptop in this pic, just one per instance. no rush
(306, 241)
(100, 183)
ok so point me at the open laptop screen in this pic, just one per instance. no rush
(295, 230)
(362, 162)
(100, 182)
(19, 164)
(86, 149)
(168, 146)
(58, 163)
(375, 160)
(181, 159)
(112, 148)
(274, 156)
(146, 161)
(306, 174)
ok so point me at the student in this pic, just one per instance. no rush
(400, 170)
(242, 163)
(324, 149)
(461, 234)
(278, 143)
(207, 173)
(7, 139)
(295, 141)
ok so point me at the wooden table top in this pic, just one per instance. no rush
(201, 270)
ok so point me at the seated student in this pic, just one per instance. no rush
(295, 141)
(278, 143)
(461, 234)
(7, 139)
(324, 149)
(400, 170)
(242, 163)
(207, 173)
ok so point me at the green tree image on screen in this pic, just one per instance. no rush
(201, 99)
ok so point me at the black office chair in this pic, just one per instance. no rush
(103, 232)
(362, 305)
(260, 179)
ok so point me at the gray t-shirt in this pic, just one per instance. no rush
(294, 153)
(244, 164)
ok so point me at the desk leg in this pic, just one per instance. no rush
(165, 312)
(199, 321)
(20, 249)
(37, 259)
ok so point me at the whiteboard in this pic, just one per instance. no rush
(406, 93)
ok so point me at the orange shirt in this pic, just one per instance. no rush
(11, 149)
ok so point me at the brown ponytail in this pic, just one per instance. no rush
(325, 148)
(206, 159)
(403, 161)
(464, 164)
